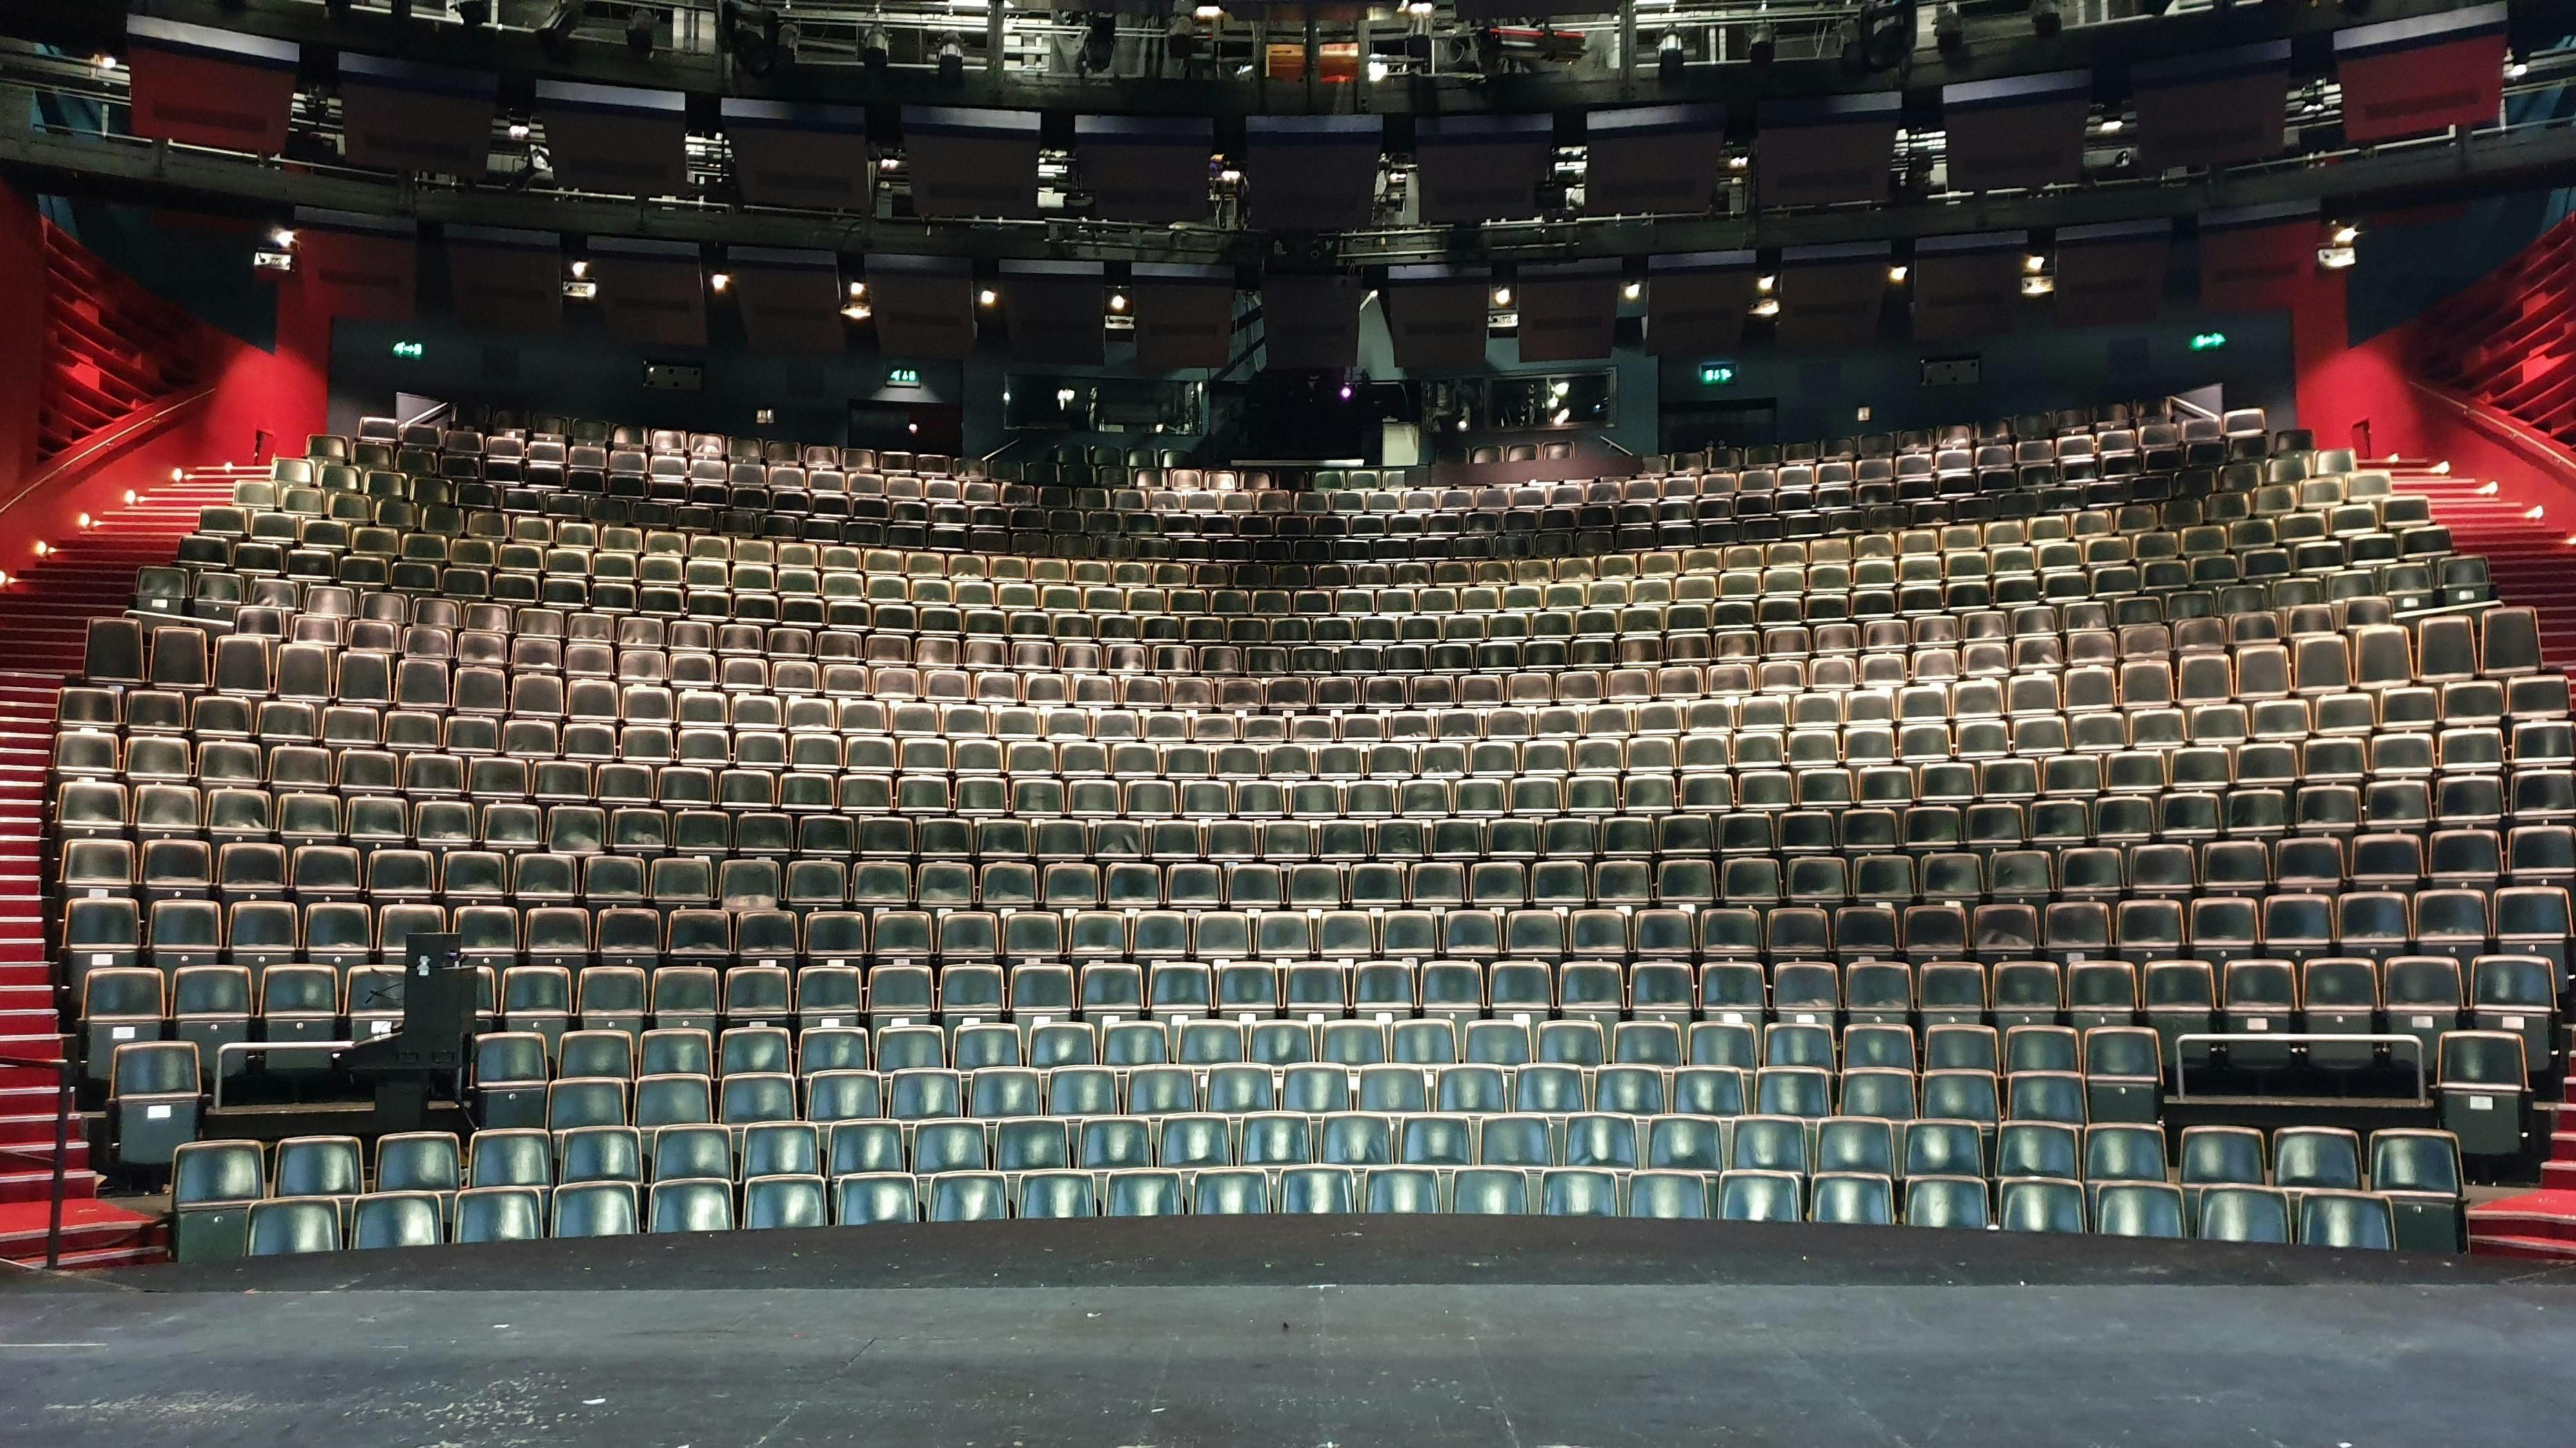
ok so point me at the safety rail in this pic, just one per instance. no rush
(2414, 1045)
(254, 1048)
(63, 1104)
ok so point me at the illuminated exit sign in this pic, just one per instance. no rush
(904, 377)
(2208, 341)
(1716, 374)
(410, 351)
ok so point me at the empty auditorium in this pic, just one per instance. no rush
(1287, 722)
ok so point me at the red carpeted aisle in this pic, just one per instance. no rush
(44, 615)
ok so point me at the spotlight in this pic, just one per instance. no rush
(1762, 43)
(872, 50)
(2034, 263)
(760, 39)
(987, 297)
(855, 312)
(1949, 29)
(639, 31)
(1346, 392)
(1632, 291)
(2110, 125)
(1896, 274)
(580, 269)
(1208, 12)
(2346, 234)
(555, 36)
(1099, 43)
(473, 12)
(1117, 301)
(858, 290)
(1502, 296)
(1669, 58)
(2044, 19)
(282, 237)
(720, 280)
(2516, 69)
(1766, 282)
(952, 60)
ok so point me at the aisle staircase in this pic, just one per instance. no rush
(44, 614)
(2532, 559)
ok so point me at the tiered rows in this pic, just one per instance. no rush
(2084, 733)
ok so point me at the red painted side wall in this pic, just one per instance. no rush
(253, 400)
(2369, 398)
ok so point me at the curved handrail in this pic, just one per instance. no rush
(107, 441)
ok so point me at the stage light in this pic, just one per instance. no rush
(1896, 274)
(2516, 68)
(1761, 45)
(2110, 125)
(987, 297)
(2044, 18)
(857, 290)
(2034, 263)
(873, 52)
(1949, 29)
(580, 269)
(2346, 234)
(639, 31)
(473, 12)
(1766, 283)
(1669, 59)
(1346, 392)
(555, 36)
(1117, 301)
(284, 236)
(1632, 291)
(1099, 43)
(1376, 70)
(952, 60)
(855, 312)
(1502, 296)
(1208, 12)
(720, 280)
(1738, 162)
(761, 39)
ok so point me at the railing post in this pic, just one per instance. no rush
(62, 1155)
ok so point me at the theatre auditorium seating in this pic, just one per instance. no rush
(1865, 831)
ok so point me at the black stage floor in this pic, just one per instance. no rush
(1302, 1332)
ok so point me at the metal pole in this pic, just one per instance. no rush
(62, 1151)
(995, 42)
(1627, 49)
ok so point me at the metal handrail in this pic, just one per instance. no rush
(2301, 1038)
(248, 1048)
(62, 1070)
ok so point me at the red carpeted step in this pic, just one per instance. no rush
(2547, 1215)
(95, 1234)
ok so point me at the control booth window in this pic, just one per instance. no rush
(1039, 402)
(1532, 402)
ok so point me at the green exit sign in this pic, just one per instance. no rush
(2208, 341)
(410, 351)
(1716, 374)
(904, 377)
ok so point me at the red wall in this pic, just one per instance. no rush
(2369, 398)
(283, 393)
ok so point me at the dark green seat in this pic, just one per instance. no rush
(292, 1226)
(1760, 1196)
(212, 1187)
(2245, 1214)
(2038, 1205)
(2346, 1219)
(595, 1209)
(500, 1214)
(397, 1219)
(1946, 1201)
(1859, 1199)
(2138, 1209)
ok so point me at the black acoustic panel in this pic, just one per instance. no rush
(204, 87)
(2023, 131)
(1311, 322)
(1479, 167)
(366, 268)
(2214, 108)
(397, 116)
(1184, 315)
(1653, 159)
(1967, 286)
(2113, 273)
(1830, 295)
(1055, 310)
(2252, 258)
(1480, 12)
(789, 301)
(1436, 317)
(924, 305)
(651, 293)
(1818, 151)
(615, 139)
(505, 280)
(1569, 310)
(971, 162)
(790, 153)
(1696, 302)
(2421, 74)
(1145, 168)
(1311, 173)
